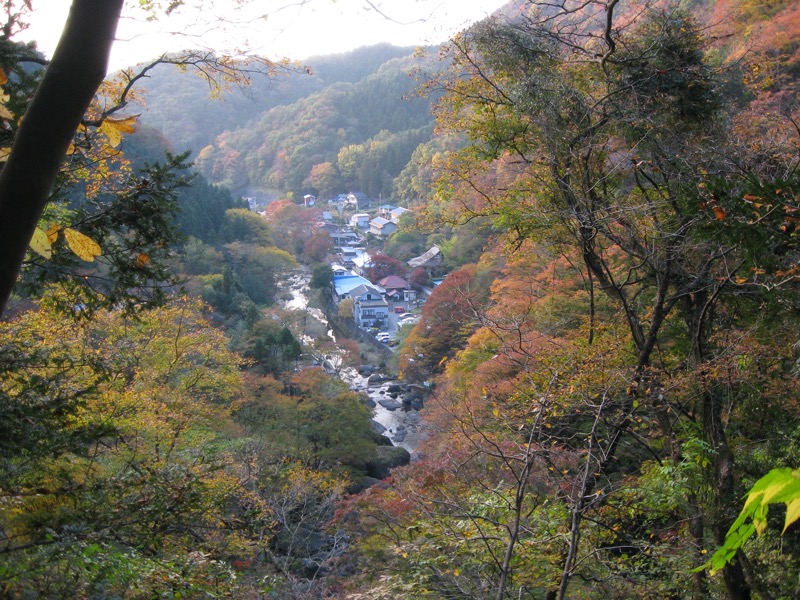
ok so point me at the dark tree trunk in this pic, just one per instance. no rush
(78, 67)
(697, 314)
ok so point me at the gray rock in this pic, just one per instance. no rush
(412, 418)
(414, 400)
(377, 427)
(386, 459)
(362, 483)
(390, 404)
(312, 568)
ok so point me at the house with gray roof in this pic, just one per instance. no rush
(369, 305)
(382, 227)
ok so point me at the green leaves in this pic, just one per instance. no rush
(779, 486)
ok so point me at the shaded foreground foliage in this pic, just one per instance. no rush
(158, 468)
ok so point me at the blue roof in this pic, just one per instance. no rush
(344, 284)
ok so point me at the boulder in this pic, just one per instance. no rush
(362, 483)
(413, 418)
(377, 427)
(390, 404)
(386, 459)
(380, 440)
(374, 379)
(312, 568)
(414, 400)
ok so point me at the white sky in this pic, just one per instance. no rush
(274, 28)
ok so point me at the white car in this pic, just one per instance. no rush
(383, 337)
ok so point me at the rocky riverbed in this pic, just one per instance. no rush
(396, 406)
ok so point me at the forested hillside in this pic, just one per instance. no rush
(286, 136)
(181, 105)
(609, 364)
(620, 365)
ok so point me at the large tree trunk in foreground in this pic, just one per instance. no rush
(78, 67)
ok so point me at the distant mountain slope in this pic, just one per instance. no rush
(377, 120)
(347, 124)
(180, 105)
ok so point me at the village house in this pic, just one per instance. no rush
(362, 263)
(345, 283)
(432, 261)
(395, 286)
(344, 238)
(359, 220)
(369, 306)
(382, 227)
(396, 213)
(353, 257)
(385, 211)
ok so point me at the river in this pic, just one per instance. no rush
(403, 426)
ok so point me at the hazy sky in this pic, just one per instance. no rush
(276, 28)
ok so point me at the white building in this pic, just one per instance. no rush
(369, 305)
(360, 220)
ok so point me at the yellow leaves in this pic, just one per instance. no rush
(114, 128)
(4, 112)
(792, 513)
(52, 233)
(40, 243)
(82, 245)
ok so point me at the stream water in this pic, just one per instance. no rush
(401, 425)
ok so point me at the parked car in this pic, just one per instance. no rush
(383, 337)
(405, 315)
(399, 309)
